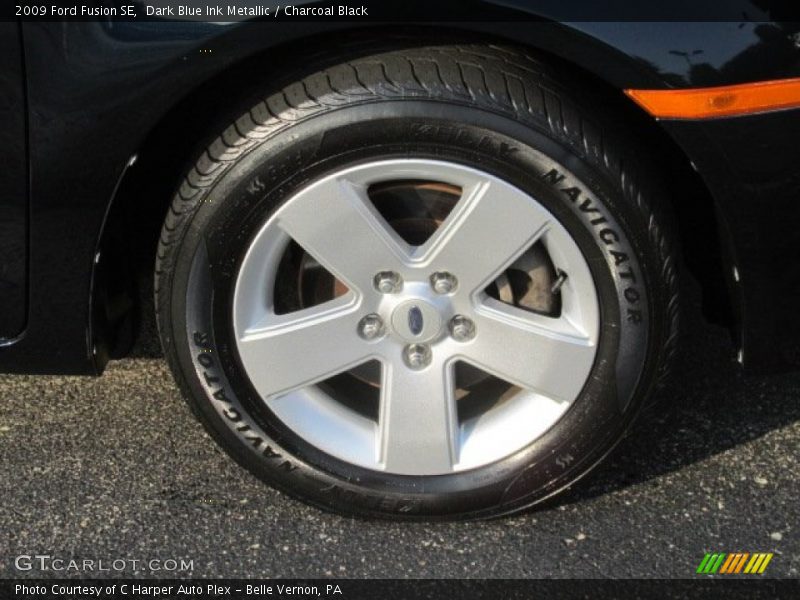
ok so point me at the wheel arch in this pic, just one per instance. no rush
(122, 292)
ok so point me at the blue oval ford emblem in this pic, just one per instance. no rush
(415, 322)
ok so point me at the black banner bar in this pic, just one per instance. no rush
(391, 589)
(221, 11)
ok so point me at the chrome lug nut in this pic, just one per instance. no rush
(461, 328)
(443, 283)
(371, 327)
(388, 282)
(417, 356)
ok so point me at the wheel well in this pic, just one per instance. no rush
(123, 306)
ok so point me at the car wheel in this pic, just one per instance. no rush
(424, 283)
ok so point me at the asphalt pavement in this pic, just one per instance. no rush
(116, 468)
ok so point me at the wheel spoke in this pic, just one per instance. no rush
(291, 351)
(488, 229)
(335, 222)
(545, 355)
(418, 419)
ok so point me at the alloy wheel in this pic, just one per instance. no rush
(455, 371)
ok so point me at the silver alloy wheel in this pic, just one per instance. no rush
(432, 312)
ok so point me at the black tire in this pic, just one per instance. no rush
(477, 105)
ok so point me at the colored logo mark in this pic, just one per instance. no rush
(415, 320)
(734, 563)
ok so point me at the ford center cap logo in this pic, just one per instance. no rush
(415, 321)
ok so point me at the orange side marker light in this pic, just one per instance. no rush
(723, 101)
